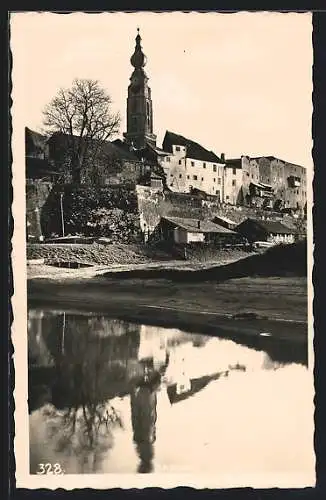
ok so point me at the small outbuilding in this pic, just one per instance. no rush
(266, 230)
(187, 230)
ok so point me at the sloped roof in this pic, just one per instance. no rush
(225, 219)
(121, 148)
(260, 185)
(271, 227)
(271, 158)
(158, 150)
(116, 148)
(192, 225)
(34, 142)
(233, 163)
(194, 150)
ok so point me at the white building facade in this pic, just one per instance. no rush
(188, 166)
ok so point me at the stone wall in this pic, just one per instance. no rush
(37, 193)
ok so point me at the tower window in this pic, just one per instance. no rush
(219, 181)
(204, 165)
(234, 171)
(214, 168)
(214, 180)
(192, 163)
(177, 148)
(180, 162)
(233, 182)
(180, 176)
(188, 177)
(202, 178)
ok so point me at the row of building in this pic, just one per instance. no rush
(180, 166)
(262, 182)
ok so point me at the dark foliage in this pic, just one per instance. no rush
(92, 211)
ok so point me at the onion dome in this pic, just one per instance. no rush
(138, 59)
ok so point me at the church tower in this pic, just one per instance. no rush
(139, 103)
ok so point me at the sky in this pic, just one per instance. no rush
(236, 83)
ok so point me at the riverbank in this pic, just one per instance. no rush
(245, 306)
(97, 254)
(253, 298)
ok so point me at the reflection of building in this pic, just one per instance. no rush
(185, 388)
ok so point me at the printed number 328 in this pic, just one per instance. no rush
(55, 469)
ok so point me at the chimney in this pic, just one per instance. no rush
(223, 157)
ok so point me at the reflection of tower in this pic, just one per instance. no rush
(143, 416)
(152, 346)
(139, 103)
(153, 360)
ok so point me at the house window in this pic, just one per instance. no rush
(171, 175)
(167, 158)
(195, 177)
(180, 176)
(177, 148)
(214, 168)
(218, 181)
(227, 197)
(180, 162)
(188, 177)
(234, 171)
(233, 182)
(192, 163)
(204, 165)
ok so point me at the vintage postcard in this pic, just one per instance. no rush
(162, 249)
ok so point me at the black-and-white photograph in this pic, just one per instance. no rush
(162, 249)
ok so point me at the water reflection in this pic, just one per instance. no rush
(98, 386)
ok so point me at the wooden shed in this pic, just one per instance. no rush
(266, 230)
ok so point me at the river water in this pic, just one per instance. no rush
(107, 396)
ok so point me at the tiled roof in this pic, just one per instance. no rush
(272, 227)
(192, 225)
(233, 163)
(194, 150)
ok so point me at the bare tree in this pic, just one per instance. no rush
(84, 115)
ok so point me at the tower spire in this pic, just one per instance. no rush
(139, 102)
(138, 59)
